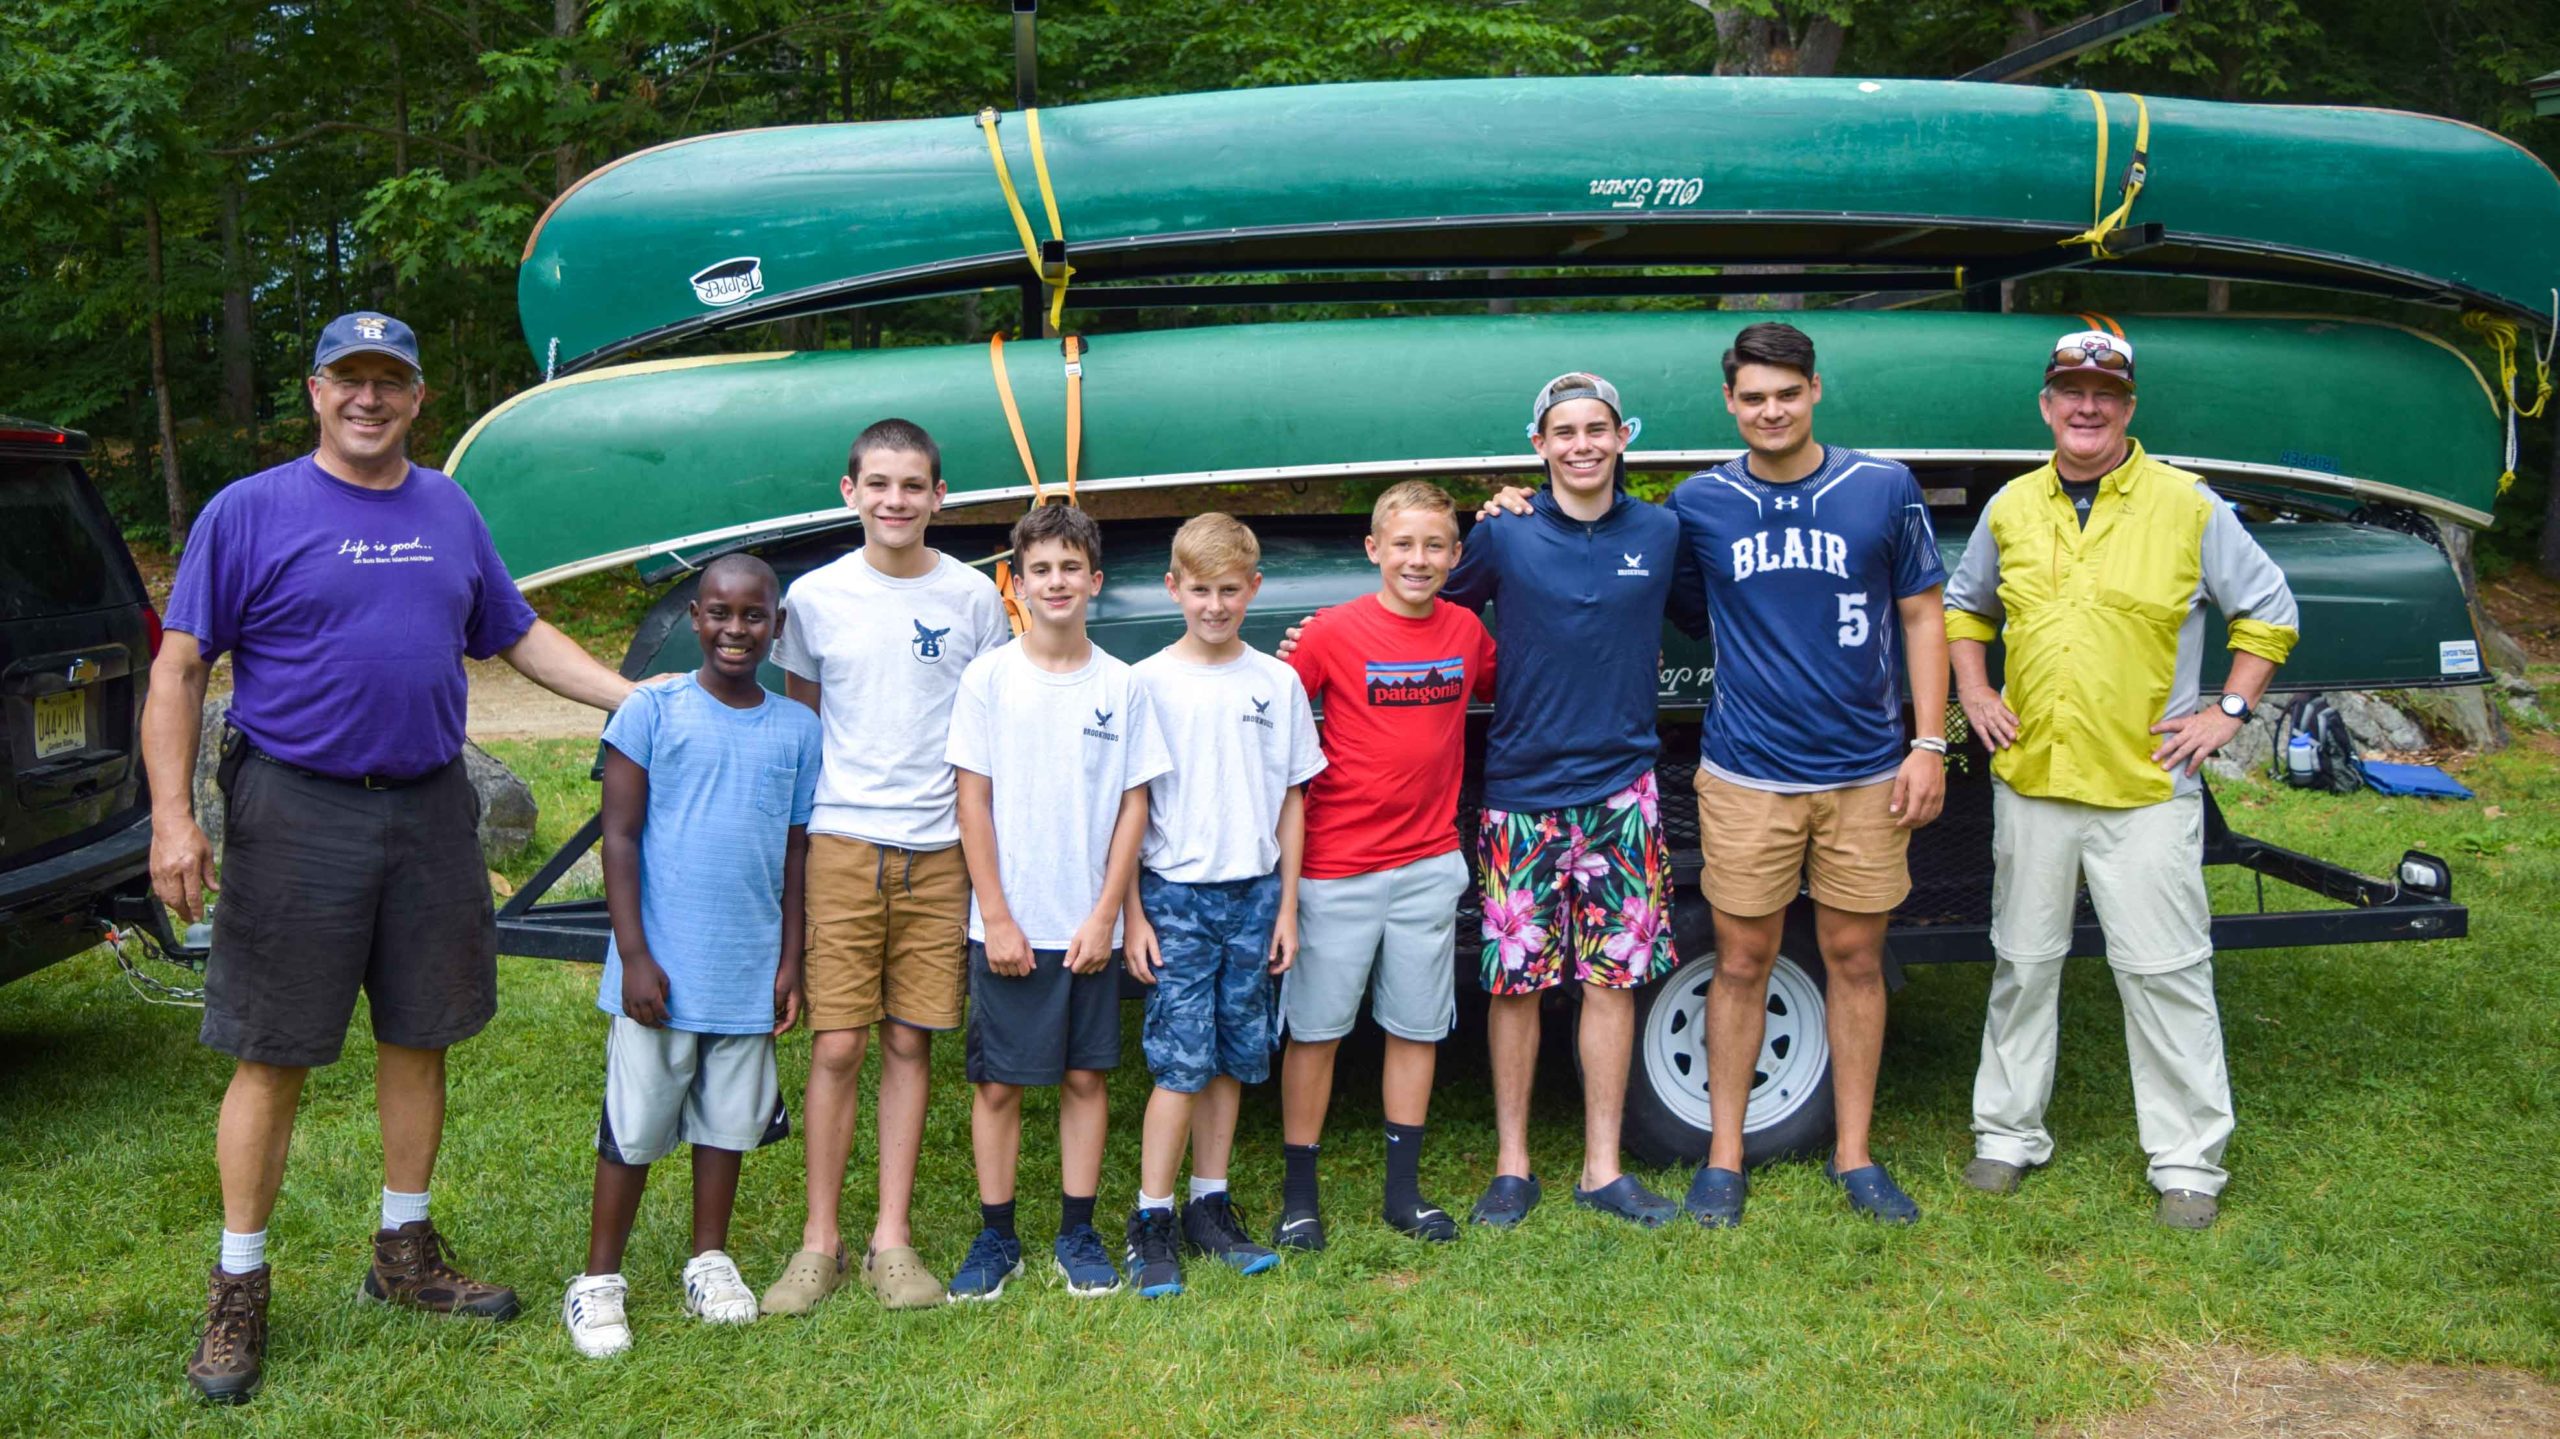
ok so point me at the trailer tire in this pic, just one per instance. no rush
(1667, 1117)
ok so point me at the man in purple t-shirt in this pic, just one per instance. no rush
(347, 587)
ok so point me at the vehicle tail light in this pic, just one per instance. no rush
(35, 437)
(151, 630)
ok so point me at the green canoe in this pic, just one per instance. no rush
(1893, 175)
(612, 466)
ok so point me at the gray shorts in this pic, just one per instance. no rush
(328, 889)
(1391, 935)
(1031, 1029)
(664, 1087)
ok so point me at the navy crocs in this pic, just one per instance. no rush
(1507, 1201)
(1627, 1199)
(1873, 1193)
(1716, 1197)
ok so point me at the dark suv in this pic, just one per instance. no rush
(77, 633)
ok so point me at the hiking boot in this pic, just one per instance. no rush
(807, 1278)
(1210, 1227)
(1084, 1263)
(231, 1354)
(897, 1274)
(1155, 1260)
(413, 1267)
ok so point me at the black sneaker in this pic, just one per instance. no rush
(1155, 1260)
(1299, 1229)
(1422, 1220)
(1210, 1227)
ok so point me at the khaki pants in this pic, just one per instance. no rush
(2145, 870)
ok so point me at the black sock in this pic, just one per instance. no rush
(998, 1217)
(1298, 1182)
(1404, 1161)
(1073, 1211)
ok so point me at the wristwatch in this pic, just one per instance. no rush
(2236, 707)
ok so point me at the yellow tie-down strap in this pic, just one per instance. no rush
(1072, 347)
(1055, 277)
(2504, 340)
(2136, 174)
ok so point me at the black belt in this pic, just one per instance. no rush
(361, 781)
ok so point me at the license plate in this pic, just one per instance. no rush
(62, 724)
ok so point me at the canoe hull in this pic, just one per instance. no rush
(1623, 171)
(613, 466)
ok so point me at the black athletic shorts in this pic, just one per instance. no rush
(1031, 1029)
(328, 888)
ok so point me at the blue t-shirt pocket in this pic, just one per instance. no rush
(774, 784)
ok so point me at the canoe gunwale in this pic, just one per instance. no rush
(1641, 460)
(989, 271)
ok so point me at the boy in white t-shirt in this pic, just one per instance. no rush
(876, 645)
(1054, 743)
(1215, 915)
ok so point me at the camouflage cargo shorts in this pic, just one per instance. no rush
(1211, 1011)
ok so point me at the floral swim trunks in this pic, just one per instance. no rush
(1582, 893)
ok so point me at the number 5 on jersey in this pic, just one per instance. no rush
(1853, 619)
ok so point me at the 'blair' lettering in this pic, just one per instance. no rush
(1796, 549)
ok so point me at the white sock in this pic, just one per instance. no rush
(243, 1253)
(1203, 1188)
(1148, 1201)
(399, 1208)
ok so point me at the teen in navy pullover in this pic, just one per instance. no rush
(1577, 882)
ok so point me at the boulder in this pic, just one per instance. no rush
(507, 808)
(2462, 714)
(2376, 723)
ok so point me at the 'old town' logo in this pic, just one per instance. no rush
(729, 281)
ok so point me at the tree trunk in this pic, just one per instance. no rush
(1749, 44)
(169, 476)
(239, 360)
(2217, 297)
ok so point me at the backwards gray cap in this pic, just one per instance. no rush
(1577, 385)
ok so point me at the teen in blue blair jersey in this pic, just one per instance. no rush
(1822, 580)
(1576, 878)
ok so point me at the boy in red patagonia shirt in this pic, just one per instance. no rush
(1377, 904)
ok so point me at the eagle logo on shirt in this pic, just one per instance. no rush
(1261, 713)
(928, 642)
(1634, 564)
(1101, 726)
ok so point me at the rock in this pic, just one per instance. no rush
(2463, 714)
(2500, 649)
(2375, 723)
(507, 808)
(2253, 748)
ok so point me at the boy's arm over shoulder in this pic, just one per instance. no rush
(1478, 573)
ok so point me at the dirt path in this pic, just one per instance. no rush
(2226, 1392)
(506, 705)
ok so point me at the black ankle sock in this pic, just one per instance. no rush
(1404, 1162)
(1298, 1180)
(998, 1217)
(1073, 1211)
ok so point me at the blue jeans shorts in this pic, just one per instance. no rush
(1211, 1011)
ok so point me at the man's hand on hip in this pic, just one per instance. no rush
(2190, 738)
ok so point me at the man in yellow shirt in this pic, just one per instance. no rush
(2095, 570)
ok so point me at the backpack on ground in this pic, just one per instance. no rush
(2315, 750)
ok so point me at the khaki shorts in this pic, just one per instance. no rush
(888, 935)
(1759, 844)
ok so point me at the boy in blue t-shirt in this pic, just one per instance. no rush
(708, 784)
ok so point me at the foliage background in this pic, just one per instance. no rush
(211, 180)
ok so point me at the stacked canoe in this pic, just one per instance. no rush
(1898, 183)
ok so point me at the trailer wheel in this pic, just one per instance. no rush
(1667, 1119)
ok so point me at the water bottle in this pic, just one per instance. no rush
(2301, 757)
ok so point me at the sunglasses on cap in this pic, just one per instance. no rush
(2092, 352)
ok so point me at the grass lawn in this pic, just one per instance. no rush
(2398, 1150)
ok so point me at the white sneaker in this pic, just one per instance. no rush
(593, 1311)
(714, 1289)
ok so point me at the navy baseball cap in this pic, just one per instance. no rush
(366, 332)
